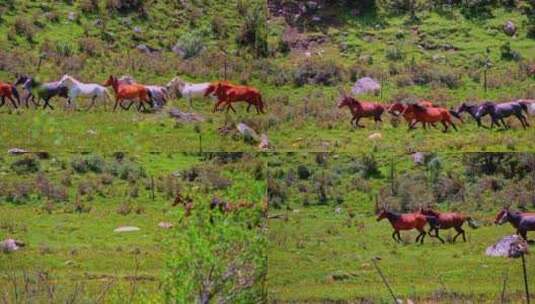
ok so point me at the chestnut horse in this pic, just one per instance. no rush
(129, 92)
(9, 91)
(429, 115)
(523, 222)
(360, 109)
(399, 108)
(228, 93)
(404, 221)
(447, 220)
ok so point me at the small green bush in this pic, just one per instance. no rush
(26, 165)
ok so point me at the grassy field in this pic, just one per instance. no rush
(78, 253)
(438, 58)
(322, 252)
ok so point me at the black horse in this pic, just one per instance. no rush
(44, 91)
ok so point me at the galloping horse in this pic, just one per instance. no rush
(430, 115)
(523, 222)
(503, 110)
(187, 90)
(158, 94)
(92, 90)
(404, 221)
(44, 91)
(360, 109)
(9, 91)
(129, 92)
(473, 110)
(399, 108)
(228, 93)
(447, 220)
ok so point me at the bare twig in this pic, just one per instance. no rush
(374, 261)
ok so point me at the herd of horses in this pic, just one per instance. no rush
(126, 89)
(427, 113)
(521, 221)
(225, 94)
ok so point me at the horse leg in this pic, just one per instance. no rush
(394, 236)
(231, 107)
(422, 233)
(504, 123)
(13, 101)
(453, 125)
(3, 101)
(47, 103)
(116, 104)
(92, 104)
(437, 236)
(357, 122)
(460, 231)
(445, 126)
(399, 236)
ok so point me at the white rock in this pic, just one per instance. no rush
(375, 136)
(126, 229)
(366, 85)
(165, 225)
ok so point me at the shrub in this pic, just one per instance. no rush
(253, 32)
(64, 49)
(477, 8)
(318, 72)
(90, 46)
(26, 165)
(303, 172)
(124, 209)
(95, 163)
(423, 74)
(394, 53)
(277, 193)
(126, 6)
(89, 6)
(189, 45)
(507, 53)
(24, 27)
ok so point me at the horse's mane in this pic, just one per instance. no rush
(418, 107)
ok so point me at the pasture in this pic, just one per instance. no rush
(324, 234)
(67, 210)
(299, 71)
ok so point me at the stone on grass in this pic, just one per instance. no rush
(366, 85)
(509, 246)
(375, 136)
(165, 225)
(16, 151)
(126, 229)
(509, 28)
(248, 133)
(264, 143)
(185, 117)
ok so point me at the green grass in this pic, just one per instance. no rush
(311, 242)
(82, 249)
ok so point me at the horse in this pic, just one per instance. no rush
(447, 220)
(228, 93)
(130, 92)
(473, 110)
(9, 91)
(404, 221)
(429, 115)
(44, 91)
(523, 222)
(92, 90)
(529, 105)
(158, 94)
(187, 90)
(500, 111)
(360, 109)
(399, 108)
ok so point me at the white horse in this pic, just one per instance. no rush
(530, 105)
(188, 90)
(91, 90)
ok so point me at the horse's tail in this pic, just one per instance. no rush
(260, 103)
(472, 223)
(151, 98)
(15, 93)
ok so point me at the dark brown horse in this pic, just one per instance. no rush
(361, 109)
(523, 222)
(445, 221)
(404, 221)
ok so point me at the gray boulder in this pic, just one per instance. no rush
(509, 28)
(366, 85)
